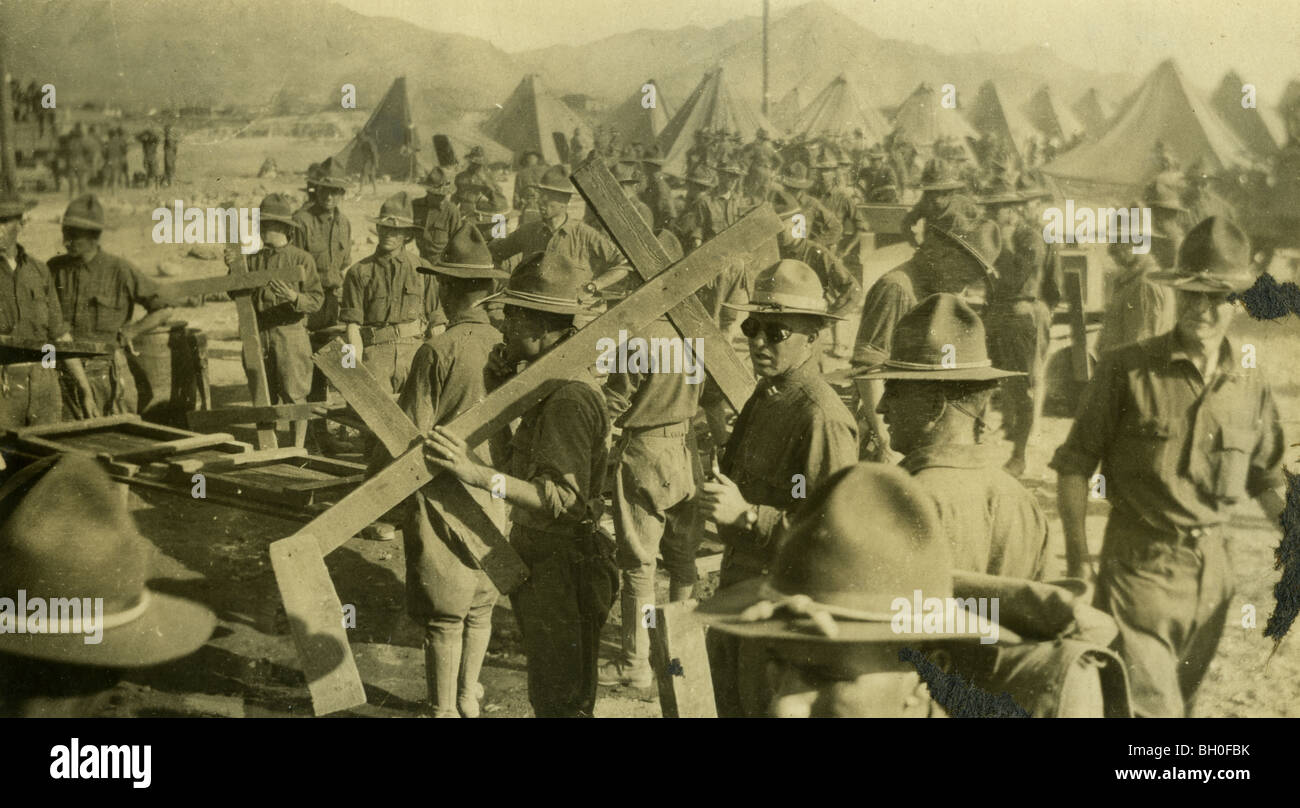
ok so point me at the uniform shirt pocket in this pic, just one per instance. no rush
(1232, 455)
(108, 311)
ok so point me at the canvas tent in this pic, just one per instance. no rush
(990, 116)
(838, 110)
(391, 128)
(786, 111)
(1048, 118)
(711, 105)
(1089, 112)
(1163, 110)
(922, 120)
(635, 121)
(1246, 122)
(534, 120)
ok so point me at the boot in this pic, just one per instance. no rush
(442, 651)
(478, 632)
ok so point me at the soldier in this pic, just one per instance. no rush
(879, 183)
(818, 628)
(959, 250)
(69, 533)
(582, 244)
(628, 179)
(387, 305)
(657, 194)
(715, 208)
(842, 289)
(284, 309)
(1200, 198)
(75, 157)
(171, 143)
(531, 168)
(689, 225)
(553, 473)
(935, 412)
(1167, 217)
(654, 495)
(577, 147)
(99, 292)
(1021, 296)
(1182, 433)
(791, 435)
(437, 214)
(446, 591)
(325, 233)
(368, 152)
(149, 147)
(940, 182)
(764, 161)
(822, 225)
(1139, 306)
(475, 170)
(29, 310)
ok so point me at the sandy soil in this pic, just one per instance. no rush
(218, 555)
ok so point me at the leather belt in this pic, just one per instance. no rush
(381, 335)
(677, 430)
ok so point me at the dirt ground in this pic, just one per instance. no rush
(218, 555)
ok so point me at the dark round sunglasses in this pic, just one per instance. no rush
(773, 333)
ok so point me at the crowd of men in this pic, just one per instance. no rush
(826, 514)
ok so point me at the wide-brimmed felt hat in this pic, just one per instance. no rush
(963, 223)
(1214, 257)
(729, 166)
(545, 281)
(329, 174)
(942, 339)
(940, 175)
(626, 173)
(785, 204)
(68, 536)
(467, 256)
(556, 179)
(12, 205)
(397, 213)
(652, 156)
(866, 538)
(438, 181)
(702, 175)
(796, 176)
(85, 213)
(787, 287)
(277, 208)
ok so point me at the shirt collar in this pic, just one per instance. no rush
(793, 376)
(1227, 351)
(947, 455)
(475, 314)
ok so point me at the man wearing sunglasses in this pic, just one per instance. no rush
(1183, 429)
(792, 434)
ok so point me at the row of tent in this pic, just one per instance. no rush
(1118, 151)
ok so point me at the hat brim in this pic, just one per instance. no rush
(445, 188)
(265, 217)
(966, 247)
(793, 183)
(557, 189)
(767, 309)
(507, 299)
(954, 185)
(939, 375)
(9, 210)
(1191, 284)
(170, 628)
(468, 271)
(722, 613)
(83, 224)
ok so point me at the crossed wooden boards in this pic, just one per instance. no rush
(310, 600)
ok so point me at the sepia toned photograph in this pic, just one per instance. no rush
(595, 358)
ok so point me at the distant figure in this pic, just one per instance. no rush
(369, 152)
(75, 156)
(269, 169)
(149, 147)
(171, 142)
(115, 171)
(576, 147)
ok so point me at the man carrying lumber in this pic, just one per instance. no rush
(446, 590)
(552, 475)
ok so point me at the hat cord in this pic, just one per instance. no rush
(822, 614)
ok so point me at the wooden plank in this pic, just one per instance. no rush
(1078, 327)
(394, 483)
(250, 339)
(681, 663)
(204, 420)
(76, 347)
(648, 257)
(180, 446)
(260, 457)
(234, 282)
(316, 623)
(47, 430)
(317, 485)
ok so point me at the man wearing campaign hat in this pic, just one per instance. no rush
(436, 214)
(714, 208)
(938, 382)
(446, 591)
(1167, 217)
(628, 179)
(581, 244)
(67, 538)
(820, 632)
(552, 473)
(792, 433)
(1139, 307)
(1183, 429)
(823, 226)
(284, 308)
(29, 310)
(877, 179)
(387, 305)
(98, 293)
(326, 234)
(959, 251)
(940, 181)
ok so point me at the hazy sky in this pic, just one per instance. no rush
(1261, 39)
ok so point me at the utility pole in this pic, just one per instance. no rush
(8, 168)
(765, 19)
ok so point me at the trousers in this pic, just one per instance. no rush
(1170, 601)
(1018, 339)
(111, 384)
(29, 394)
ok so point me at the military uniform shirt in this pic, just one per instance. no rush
(29, 305)
(1139, 307)
(992, 522)
(580, 243)
(276, 309)
(892, 296)
(327, 237)
(387, 290)
(99, 297)
(643, 400)
(1173, 451)
(439, 222)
